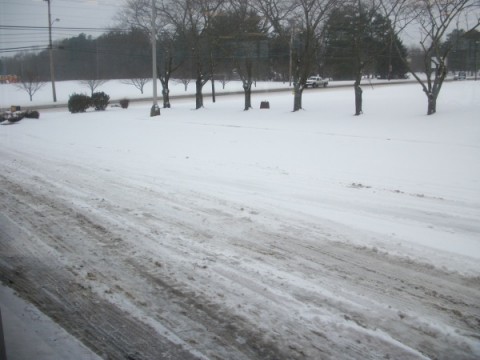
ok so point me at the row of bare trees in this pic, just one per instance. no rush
(202, 39)
(31, 84)
(237, 28)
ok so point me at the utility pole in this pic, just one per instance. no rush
(155, 110)
(50, 48)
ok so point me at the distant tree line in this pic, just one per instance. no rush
(464, 50)
(114, 55)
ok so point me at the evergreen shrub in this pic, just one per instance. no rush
(124, 103)
(32, 114)
(100, 100)
(78, 103)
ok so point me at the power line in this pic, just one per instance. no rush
(24, 48)
(17, 42)
(29, 34)
(22, 27)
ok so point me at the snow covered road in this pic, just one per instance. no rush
(222, 234)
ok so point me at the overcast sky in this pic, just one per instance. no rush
(71, 14)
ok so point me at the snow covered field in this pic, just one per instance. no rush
(224, 234)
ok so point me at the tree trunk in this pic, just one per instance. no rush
(213, 89)
(166, 97)
(358, 98)
(297, 98)
(212, 72)
(164, 79)
(198, 93)
(247, 88)
(432, 104)
(165, 92)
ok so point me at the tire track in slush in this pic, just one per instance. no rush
(104, 328)
(374, 278)
(35, 272)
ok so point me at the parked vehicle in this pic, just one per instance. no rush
(460, 76)
(316, 81)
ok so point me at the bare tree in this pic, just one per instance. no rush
(363, 15)
(169, 63)
(93, 84)
(433, 18)
(192, 20)
(185, 82)
(137, 14)
(241, 41)
(30, 83)
(245, 71)
(224, 81)
(139, 83)
(303, 21)
(364, 34)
